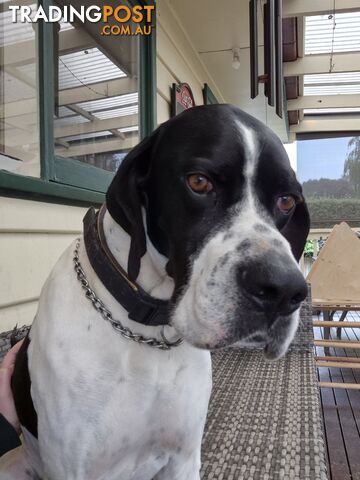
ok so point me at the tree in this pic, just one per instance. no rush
(328, 188)
(352, 165)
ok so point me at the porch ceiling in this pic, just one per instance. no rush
(326, 86)
(214, 29)
(328, 72)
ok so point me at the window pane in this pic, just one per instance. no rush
(329, 169)
(19, 126)
(96, 120)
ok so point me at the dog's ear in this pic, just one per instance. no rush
(297, 229)
(124, 199)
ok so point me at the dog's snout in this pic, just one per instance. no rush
(275, 287)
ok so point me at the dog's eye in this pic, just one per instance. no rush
(199, 183)
(286, 203)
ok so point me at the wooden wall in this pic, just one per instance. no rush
(32, 237)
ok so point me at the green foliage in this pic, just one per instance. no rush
(326, 212)
(352, 165)
(328, 188)
(309, 249)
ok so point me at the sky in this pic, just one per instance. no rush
(321, 158)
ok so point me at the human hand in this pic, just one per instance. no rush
(7, 406)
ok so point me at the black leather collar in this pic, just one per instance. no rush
(141, 307)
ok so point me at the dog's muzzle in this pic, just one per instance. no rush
(275, 288)
(251, 300)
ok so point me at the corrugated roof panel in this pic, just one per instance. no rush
(12, 33)
(106, 103)
(324, 111)
(86, 67)
(337, 33)
(344, 77)
(332, 83)
(135, 128)
(117, 112)
(88, 136)
(74, 120)
(332, 90)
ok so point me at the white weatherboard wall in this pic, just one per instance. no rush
(32, 237)
(177, 61)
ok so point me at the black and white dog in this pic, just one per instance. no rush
(208, 220)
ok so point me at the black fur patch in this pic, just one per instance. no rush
(276, 242)
(228, 235)
(21, 384)
(243, 246)
(261, 228)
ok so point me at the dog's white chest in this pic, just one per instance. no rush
(129, 426)
(109, 408)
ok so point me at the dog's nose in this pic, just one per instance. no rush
(274, 287)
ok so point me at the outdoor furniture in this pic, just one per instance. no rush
(328, 310)
(335, 286)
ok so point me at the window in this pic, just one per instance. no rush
(329, 169)
(81, 113)
(327, 34)
(19, 110)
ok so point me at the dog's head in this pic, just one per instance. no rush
(223, 205)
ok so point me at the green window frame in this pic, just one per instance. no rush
(66, 180)
(208, 96)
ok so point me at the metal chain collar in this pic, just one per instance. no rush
(163, 344)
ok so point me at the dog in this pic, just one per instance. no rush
(202, 232)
